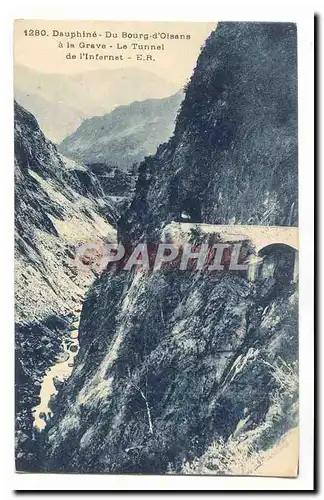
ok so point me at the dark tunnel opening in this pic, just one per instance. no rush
(278, 262)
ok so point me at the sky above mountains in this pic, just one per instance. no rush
(175, 63)
(61, 101)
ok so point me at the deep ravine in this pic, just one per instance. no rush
(178, 371)
(214, 357)
(58, 206)
(56, 374)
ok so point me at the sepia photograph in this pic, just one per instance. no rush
(158, 283)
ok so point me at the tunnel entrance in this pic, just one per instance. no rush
(278, 261)
(190, 210)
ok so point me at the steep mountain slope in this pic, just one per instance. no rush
(84, 94)
(126, 135)
(233, 155)
(178, 369)
(58, 205)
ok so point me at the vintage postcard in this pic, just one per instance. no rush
(156, 247)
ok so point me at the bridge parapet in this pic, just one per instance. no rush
(260, 237)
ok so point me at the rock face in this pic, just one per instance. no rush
(126, 135)
(61, 101)
(233, 156)
(179, 368)
(58, 204)
(163, 372)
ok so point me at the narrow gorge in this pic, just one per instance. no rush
(176, 371)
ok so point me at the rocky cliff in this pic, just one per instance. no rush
(58, 204)
(233, 155)
(186, 371)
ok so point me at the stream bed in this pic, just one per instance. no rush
(59, 372)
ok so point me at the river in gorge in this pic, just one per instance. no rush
(62, 369)
(59, 372)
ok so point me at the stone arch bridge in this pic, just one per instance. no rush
(264, 239)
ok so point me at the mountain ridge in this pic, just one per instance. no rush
(89, 93)
(125, 135)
